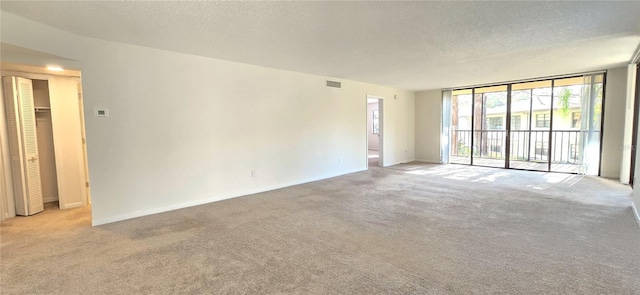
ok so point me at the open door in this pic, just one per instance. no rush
(23, 142)
(84, 142)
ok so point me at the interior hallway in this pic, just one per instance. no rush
(415, 228)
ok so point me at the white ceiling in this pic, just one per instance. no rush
(411, 45)
(22, 68)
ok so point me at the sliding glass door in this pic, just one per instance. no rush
(577, 118)
(489, 126)
(530, 111)
(547, 125)
(461, 112)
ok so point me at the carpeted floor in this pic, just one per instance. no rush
(413, 229)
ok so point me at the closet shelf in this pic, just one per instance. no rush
(42, 109)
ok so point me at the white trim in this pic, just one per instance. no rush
(32, 76)
(525, 80)
(381, 157)
(35, 76)
(130, 215)
(429, 161)
(4, 213)
(49, 200)
(400, 163)
(636, 213)
(71, 205)
(636, 56)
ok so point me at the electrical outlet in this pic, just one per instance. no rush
(253, 173)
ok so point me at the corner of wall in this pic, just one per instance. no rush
(613, 123)
(636, 213)
(428, 112)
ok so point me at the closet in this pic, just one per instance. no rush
(44, 131)
(46, 139)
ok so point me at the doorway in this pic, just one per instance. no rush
(374, 131)
(59, 176)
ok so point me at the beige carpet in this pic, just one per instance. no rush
(415, 229)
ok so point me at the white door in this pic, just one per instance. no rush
(84, 142)
(23, 143)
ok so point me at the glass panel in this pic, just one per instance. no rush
(593, 117)
(551, 128)
(489, 117)
(576, 124)
(529, 134)
(460, 147)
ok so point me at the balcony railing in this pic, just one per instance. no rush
(525, 145)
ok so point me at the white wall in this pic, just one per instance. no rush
(635, 198)
(3, 193)
(186, 130)
(428, 111)
(614, 119)
(625, 166)
(373, 139)
(636, 190)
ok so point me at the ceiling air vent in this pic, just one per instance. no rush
(334, 84)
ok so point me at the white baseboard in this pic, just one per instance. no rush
(636, 213)
(430, 161)
(409, 161)
(140, 213)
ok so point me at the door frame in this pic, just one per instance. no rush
(84, 141)
(380, 129)
(634, 132)
(4, 206)
(38, 76)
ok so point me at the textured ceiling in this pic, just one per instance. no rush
(411, 45)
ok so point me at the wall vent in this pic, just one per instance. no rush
(334, 84)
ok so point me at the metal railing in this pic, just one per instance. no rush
(525, 145)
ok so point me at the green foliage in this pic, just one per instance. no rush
(563, 102)
(463, 149)
(597, 113)
(494, 100)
